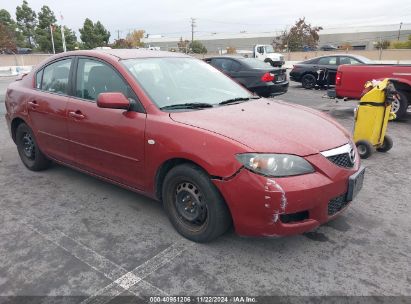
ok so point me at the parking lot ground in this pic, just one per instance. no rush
(68, 234)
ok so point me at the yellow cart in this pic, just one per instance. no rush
(372, 116)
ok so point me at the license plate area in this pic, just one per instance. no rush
(280, 78)
(355, 183)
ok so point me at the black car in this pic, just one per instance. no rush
(257, 76)
(322, 70)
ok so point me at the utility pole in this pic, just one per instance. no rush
(193, 25)
(118, 34)
(399, 31)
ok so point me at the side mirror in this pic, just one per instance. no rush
(113, 100)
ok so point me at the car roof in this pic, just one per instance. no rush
(123, 53)
(224, 57)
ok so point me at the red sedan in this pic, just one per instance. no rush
(176, 129)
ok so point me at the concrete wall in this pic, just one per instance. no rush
(22, 60)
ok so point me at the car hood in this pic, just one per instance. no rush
(270, 126)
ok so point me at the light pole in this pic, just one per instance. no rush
(399, 31)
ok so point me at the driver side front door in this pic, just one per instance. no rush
(106, 142)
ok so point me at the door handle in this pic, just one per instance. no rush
(33, 104)
(76, 114)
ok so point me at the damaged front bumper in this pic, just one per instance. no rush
(264, 206)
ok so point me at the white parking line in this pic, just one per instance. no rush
(121, 278)
(141, 272)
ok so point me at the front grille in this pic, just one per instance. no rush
(342, 160)
(337, 204)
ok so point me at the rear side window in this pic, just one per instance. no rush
(348, 60)
(328, 60)
(95, 77)
(56, 77)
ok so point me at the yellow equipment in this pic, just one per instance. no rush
(372, 116)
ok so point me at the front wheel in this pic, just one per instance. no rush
(29, 152)
(386, 144)
(365, 148)
(194, 205)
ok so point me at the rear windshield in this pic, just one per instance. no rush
(256, 64)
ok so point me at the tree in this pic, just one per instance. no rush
(231, 50)
(121, 44)
(384, 44)
(26, 22)
(345, 46)
(301, 35)
(197, 47)
(134, 38)
(10, 28)
(46, 18)
(182, 45)
(7, 39)
(93, 35)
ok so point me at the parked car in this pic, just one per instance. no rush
(350, 82)
(257, 76)
(176, 129)
(309, 72)
(328, 47)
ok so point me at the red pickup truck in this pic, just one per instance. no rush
(350, 80)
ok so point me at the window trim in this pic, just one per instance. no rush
(41, 69)
(139, 108)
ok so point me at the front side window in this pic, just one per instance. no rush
(56, 77)
(173, 80)
(39, 74)
(95, 77)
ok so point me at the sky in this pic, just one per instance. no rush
(172, 18)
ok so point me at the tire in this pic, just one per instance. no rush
(269, 61)
(194, 205)
(399, 105)
(365, 148)
(308, 81)
(386, 144)
(29, 152)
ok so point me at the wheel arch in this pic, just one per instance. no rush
(166, 166)
(14, 125)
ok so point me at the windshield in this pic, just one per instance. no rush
(175, 81)
(269, 49)
(256, 64)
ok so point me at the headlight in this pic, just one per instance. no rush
(275, 165)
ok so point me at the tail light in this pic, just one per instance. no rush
(338, 78)
(267, 77)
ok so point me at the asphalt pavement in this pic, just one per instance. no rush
(63, 233)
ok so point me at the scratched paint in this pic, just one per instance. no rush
(272, 186)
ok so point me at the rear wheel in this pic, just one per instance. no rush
(194, 205)
(399, 105)
(365, 148)
(29, 152)
(308, 81)
(386, 144)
